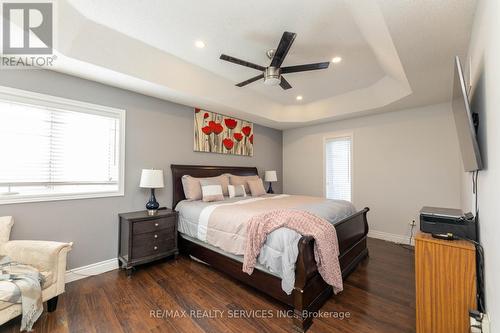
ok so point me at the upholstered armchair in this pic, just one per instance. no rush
(48, 257)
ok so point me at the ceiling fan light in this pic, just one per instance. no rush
(272, 76)
(272, 81)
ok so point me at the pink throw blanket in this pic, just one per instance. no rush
(326, 249)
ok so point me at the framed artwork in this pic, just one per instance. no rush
(217, 133)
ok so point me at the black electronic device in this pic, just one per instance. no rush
(445, 221)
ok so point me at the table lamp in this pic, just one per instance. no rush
(270, 176)
(152, 178)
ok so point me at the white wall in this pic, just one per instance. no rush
(401, 161)
(485, 54)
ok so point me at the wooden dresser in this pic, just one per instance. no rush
(445, 284)
(143, 238)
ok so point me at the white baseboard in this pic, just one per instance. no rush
(400, 239)
(90, 270)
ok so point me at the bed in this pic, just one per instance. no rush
(310, 291)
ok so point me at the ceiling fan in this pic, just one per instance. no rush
(272, 74)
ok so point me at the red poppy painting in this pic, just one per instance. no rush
(217, 133)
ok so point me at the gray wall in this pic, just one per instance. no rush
(484, 52)
(158, 133)
(401, 161)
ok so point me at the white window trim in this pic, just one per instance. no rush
(333, 136)
(28, 97)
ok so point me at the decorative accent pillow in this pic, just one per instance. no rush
(242, 180)
(211, 192)
(6, 223)
(256, 187)
(192, 186)
(236, 191)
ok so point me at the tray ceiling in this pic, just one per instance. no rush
(395, 53)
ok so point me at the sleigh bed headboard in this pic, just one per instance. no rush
(202, 171)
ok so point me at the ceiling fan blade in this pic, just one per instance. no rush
(284, 84)
(241, 62)
(303, 68)
(283, 48)
(255, 78)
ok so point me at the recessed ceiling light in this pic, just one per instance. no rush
(336, 60)
(199, 44)
(299, 97)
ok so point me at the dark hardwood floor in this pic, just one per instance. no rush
(379, 297)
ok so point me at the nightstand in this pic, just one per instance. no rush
(144, 238)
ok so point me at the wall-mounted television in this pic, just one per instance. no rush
(466, 122)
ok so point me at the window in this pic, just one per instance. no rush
(53, 148)
(338, 167)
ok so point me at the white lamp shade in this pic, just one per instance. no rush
(270, 176)
(151, 178)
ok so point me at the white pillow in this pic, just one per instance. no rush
(236, 191)
(212, 193)
(192, 185)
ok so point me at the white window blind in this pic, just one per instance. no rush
(338, 175)
(48, 151)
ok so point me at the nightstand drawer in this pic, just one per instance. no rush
(154, 225)
(151, 248)
(154, 237)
